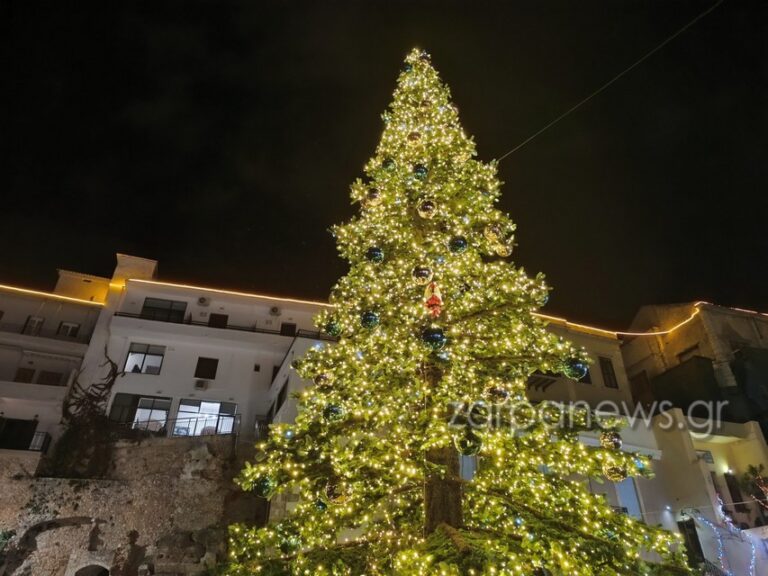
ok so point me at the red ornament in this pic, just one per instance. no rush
(432, 299)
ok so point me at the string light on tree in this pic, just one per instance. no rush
(438, 326)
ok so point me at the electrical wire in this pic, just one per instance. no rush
(614, 79)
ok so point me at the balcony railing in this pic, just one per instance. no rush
(202, 425)
(301, 333)
(43, 332)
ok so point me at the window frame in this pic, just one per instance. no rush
(608, 372)
(153, 309)
(38, 327)
(66, 329)
(204, 366)
(150, 350)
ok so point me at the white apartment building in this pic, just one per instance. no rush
(43, 340)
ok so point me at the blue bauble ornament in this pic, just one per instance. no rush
(458, 244)
(333, 412)
(333, 328)
(407, 67)
(576, 369)
(369, 319)
(420, 171)
(434, 338)
(264, 487)
(320, 505)
(374, 254)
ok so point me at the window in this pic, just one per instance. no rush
(164, 310)
(626, 491)
(206, 368)
(280, 400)
(257, 367)
(287, 329)
(33, 325)
(68, 329)
(705, 455)
(144, 359)
(737, 498)
(24, 375)
(201, 418)
(50, 378)
(609, 374)
(152, 414)
(218, 320)
(124, 407)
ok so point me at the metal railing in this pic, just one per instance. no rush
(201, 425)
(40, 442)
(44, 332)
(301, 333)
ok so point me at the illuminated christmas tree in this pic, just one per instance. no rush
(437, 337)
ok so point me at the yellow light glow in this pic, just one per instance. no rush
(232, 292)
(49, 295)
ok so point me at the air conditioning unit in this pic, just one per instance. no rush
(204, 301)
(275, 311)
(201, 384)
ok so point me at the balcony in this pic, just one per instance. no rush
(37, 392)
(187, 321)
(81, 338)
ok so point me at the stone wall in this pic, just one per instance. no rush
(163, 509)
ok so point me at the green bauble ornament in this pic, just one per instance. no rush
(610, 440)
(420, 171)
(264, 487)
(332, 328)
(369, 319)
(290, 545)
(615, 473)
(388, 164)
(469, 444)
(320, 505)
(458, 244)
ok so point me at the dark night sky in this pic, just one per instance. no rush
(221, 138)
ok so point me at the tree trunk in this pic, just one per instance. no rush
(442, 494)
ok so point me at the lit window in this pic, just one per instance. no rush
(152, 414)
(144, 359)
(201, 418)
